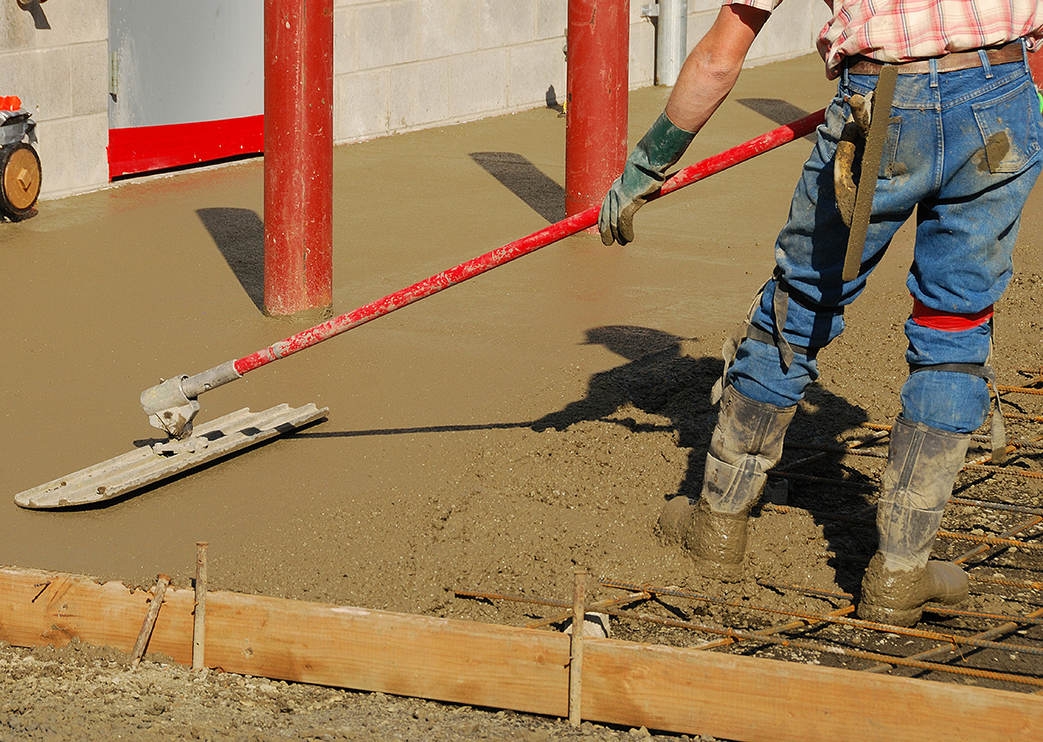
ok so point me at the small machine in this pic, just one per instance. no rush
(20, 171)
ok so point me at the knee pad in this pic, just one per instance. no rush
(950, 400)
(758, 372)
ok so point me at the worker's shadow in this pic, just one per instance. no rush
(239, 235)
(662, 379)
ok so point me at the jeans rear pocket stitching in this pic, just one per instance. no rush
(1028, 149)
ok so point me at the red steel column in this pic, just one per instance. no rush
(298, 156)
(596, 95)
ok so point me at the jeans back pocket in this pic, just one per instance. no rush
(1008, 126)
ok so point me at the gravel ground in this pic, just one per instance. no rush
(85, 693)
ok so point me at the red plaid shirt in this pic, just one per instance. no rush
(904, 30)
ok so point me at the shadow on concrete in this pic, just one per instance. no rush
(414, 431)
(525, 181)
(40, 22)
(777, 110)
(661, 378)
(552, 101)
(239, 235)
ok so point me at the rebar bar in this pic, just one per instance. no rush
(930, 607)
(1018, 389)
(1002, 581)
(985, 551)
(785, 474)
(1006, 471)
(513, 598)
(777, 628)
(847, 451)
(595, 606)
(984, 504)
(993, 633)
(858, 442)
(1022, 417)
(992, 540)
(828, 649)
(989, 505)
(937, 636)
(1021, 444)
(970, 466)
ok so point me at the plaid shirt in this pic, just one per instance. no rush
(904, 30)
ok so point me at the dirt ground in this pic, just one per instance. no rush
(490, 438)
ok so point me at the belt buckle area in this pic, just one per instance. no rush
(1005, 54)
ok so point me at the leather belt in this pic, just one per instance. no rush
(1009, 52)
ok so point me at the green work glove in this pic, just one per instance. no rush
(643, 174)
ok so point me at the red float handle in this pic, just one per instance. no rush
(511, 251)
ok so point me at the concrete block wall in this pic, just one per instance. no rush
(399, 65)
(54, 57)
(409, 64)
(791, 31)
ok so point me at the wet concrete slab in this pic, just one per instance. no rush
(109, 292)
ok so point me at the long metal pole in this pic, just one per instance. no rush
(232, 370)
(596, 99)
(298, 156)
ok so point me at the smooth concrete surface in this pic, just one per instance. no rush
(109, 292)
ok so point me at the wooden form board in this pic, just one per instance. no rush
(658, 687)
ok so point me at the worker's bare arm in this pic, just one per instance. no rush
(706, 78)
(710, 71)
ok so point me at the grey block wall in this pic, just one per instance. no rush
(399, 65)
(402, 65)
(55, 58)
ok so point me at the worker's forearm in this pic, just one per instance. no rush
(701, 87)
(710, 71)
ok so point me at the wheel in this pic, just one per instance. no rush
(20, 176)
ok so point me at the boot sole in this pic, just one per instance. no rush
(891, 616)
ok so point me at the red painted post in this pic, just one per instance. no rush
(298, 156)
(596, 100)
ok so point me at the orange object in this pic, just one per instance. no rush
(10, 103)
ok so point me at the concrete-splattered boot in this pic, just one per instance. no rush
(922, 464)
(746, 443)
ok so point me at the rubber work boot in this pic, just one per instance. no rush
(922, 464)
(897, 597)
(746, 443)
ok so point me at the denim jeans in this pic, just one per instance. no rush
(963, 151)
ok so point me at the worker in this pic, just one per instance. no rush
(962, 148)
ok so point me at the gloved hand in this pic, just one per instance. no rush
(643, 174)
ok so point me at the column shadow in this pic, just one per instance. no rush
(526, 181)
(239, 235)
(777, 110)
(40, 22)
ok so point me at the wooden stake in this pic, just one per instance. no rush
(150, 620)
(579, 599)
(658, 687)
(199, 614)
